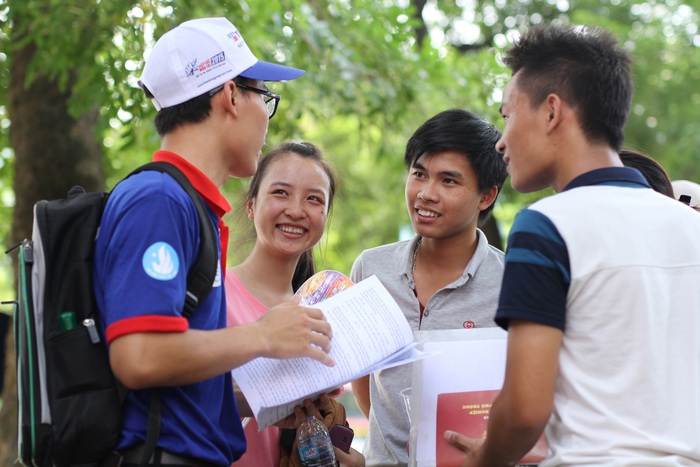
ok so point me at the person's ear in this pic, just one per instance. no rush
(487, 198)
(231, 95)
(249, 205)
(555, 109)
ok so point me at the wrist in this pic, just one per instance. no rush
(252, 340)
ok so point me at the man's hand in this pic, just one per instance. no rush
(291, 331)
(151, 359)
(470, 447)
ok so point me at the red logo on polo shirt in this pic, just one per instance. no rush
(468, 325)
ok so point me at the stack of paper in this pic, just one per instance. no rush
(369, 333)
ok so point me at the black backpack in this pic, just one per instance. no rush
(69, 402)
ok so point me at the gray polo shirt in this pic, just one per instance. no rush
(468, 302)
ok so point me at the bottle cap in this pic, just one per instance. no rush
(67, 321)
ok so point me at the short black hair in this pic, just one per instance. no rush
(584, 66)
(466, 133)
(195, 110)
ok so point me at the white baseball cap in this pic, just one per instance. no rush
(199, 55)
(686, 187)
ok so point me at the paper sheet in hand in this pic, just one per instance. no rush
(369, 333)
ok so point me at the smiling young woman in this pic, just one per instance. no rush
(288, 200)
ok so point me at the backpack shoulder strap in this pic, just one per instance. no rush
(199, 282)
(202, 274)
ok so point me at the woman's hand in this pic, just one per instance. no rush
(352, 458)
(309, 407)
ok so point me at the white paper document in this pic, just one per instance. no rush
(369, 333)
(465, 360)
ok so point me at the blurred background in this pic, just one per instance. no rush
(72, 114)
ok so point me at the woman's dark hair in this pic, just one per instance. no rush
(305, 266)
(653, 171)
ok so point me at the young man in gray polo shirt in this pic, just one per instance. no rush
(447, 276)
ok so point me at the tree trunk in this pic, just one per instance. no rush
(53, 152)
(421, 30)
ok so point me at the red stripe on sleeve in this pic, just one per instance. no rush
(148, 323)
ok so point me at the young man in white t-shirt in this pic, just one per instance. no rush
(600, 294)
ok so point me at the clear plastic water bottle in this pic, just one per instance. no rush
(314, 444)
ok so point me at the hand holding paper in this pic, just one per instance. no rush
(369, 333)
(289, 328)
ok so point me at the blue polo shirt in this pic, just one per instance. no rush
(537, 271)
(148, 240)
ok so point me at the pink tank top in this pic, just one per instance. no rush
(262, 446)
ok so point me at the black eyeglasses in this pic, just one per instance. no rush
(270, 98)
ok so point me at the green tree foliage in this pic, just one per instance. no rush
(375, 71)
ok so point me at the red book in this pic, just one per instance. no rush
(468, 413)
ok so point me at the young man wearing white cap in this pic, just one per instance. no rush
(213, 110)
